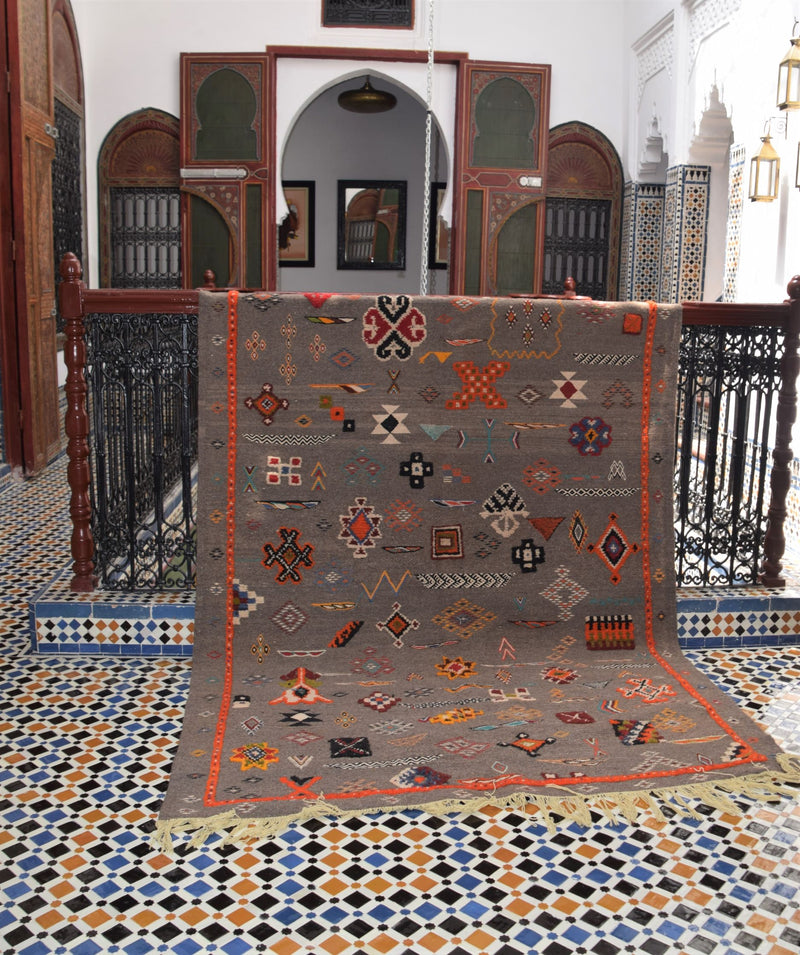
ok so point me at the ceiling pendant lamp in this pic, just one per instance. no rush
(367, 100)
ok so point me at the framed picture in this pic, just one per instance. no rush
(438, 230)
(296, 231)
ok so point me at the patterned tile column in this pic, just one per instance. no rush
(642, 228)
(683, 243)
(733, 236)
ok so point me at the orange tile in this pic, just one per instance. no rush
(378, 885)
(334, 945)
(511, 879)
(146, 917)
(383, 944)
(242, 915)
(244, 888)
(519, 907)
(480, 939)
(564, 904)
(761, 923)
(333, 886)
(50, 918)
(419, 858)
(424, 883)
(432, 943)
(655, 900)
(699, 897)
(611, 902)
(684, 871)
(285, 947)
(193, 916)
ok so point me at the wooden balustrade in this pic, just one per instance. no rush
(76, 301)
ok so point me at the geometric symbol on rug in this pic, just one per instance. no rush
(289, 618)
(545, 525)
(590, 436)
(478, 384)
(397, 625)
(617, 470)
(579, 717)
(243, 601)
(254, 756)
(260, 649)
(609, 632)
(621, 390)
(403, 515)
(446, 542)
(350, 747)
(362, 469)
(344, 358)
(428, 393)
(632, 324)
(379, 701)
(318, 475)
(568, 389)
(420, 777)
(390, 423)
(560, 675)
(458, 746)
(527, 555)
(303, 738)
(564, 592)
(255, 344)
(393, 327)
(647, 690)
(267, 403)
(635, 732)
(577, 531)
(504, 504)
(416, 469)
(455, 668)
(541, 476)
(252, 725)
(435, 431)
(346, 634)
(613, 548)
(464, 618)
(529, 746)
(529, 395)
(672, 721)
(289, 556)
(301, 687)
(360, 527)
(300, 718)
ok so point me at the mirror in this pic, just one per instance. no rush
(371, 224)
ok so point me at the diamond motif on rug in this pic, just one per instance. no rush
(361, 527)
(564, 592)
(464, 618)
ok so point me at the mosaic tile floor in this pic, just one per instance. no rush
(86, 750)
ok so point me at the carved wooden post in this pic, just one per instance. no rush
(76, 425)
(781, 478)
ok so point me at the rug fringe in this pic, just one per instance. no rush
(615, 807)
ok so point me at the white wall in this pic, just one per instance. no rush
(131, 51)
(615, 64)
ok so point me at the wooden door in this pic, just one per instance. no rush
(500, 178)
(225, 161)
(32, 151)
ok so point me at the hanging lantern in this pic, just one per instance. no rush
(789, 76)
(764, 172)
(367, 100)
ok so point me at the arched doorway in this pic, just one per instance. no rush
(583, 212)
(360, 148)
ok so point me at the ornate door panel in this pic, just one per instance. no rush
(501, 176)
(35, 267)
(225, 160)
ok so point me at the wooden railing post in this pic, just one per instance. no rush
(76, 425)
(781, 478)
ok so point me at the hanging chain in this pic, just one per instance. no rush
(426, 202)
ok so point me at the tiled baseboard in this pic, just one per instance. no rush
(111, 623)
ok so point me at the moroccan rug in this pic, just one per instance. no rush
(435, 568)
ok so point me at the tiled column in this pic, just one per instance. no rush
(733, 237)
(683, 242)
(642, 228)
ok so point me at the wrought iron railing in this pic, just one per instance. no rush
(728, 383)
(142, 377)
(131, 492)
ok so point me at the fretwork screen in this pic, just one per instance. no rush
(362, 13)
(145, 237)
